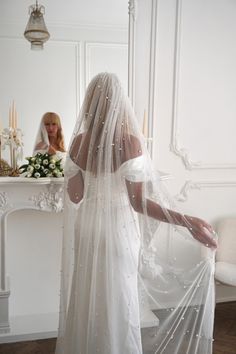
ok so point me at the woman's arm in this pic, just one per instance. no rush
(199, 228)
(75, 187)
(52, 150)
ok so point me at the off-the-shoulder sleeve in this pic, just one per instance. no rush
(71, 168)
(135, 169)
(62, 156)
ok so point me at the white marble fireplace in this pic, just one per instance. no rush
(17, 194)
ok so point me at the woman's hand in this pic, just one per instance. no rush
(52, 150)
(201, 231)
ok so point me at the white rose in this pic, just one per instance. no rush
(52, 165)
(30, 168)
(58, 174)
(37, 175)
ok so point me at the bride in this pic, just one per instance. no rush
(50, 137)
(135, 276)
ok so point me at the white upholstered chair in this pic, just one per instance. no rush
(225, 271)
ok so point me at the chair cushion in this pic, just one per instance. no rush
(226, 251)
(226, 273)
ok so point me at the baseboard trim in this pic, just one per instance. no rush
(31, 327)
(226, 299)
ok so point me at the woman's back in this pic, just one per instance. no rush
(88, 160)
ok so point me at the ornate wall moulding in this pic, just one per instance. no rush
(132, 8)
(52, 200)
(149, 106)
(175, 145)
(4, 202)
(131, 49)
(152, 73)
(183, 195)
(183, 153)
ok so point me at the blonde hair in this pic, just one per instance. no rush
(51, 117)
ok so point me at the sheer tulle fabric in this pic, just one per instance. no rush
(41, 139)
(127, 286)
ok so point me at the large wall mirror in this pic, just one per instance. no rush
(87, 37)
(84, 41)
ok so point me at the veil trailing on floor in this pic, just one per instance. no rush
(134, 278)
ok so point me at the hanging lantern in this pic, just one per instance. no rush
(36, 31)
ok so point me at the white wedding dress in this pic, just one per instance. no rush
(97, 326)
(118, 264)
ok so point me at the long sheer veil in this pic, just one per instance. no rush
(129, 283)
(41, 141)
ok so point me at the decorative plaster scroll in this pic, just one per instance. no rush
(52, 200)
(4, 204)
(132, 6)
(182, 153)
(189, 185)
(183, 195)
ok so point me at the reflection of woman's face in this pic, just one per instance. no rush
(52, 129)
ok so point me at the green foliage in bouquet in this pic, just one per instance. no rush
(42, 165)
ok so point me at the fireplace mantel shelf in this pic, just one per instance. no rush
(30, 181)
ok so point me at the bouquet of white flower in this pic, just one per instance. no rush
(42, 165)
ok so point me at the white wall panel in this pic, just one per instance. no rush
(81, 45)
(110, 57)
(205, 106)
(189, 67)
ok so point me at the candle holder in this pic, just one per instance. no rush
(145, 129)
(148, 143)
(5, 168)
(148, 140)
(12, 138)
